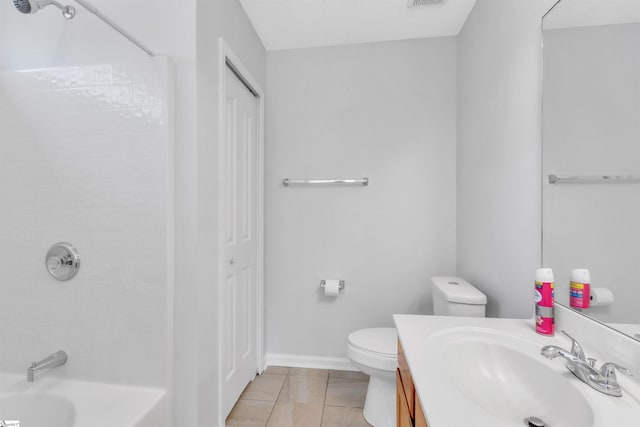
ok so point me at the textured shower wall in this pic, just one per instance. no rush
(84, 157)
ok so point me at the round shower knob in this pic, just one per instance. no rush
(62, 261)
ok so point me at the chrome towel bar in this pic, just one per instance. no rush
(557, 179)
(362, 181)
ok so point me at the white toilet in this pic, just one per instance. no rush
(453, 296)
(374, 351)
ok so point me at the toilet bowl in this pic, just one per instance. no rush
(374, 351)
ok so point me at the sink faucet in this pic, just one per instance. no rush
(52, 361)
(604, 380)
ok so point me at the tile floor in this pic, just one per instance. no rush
(298, 397)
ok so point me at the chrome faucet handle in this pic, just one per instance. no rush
(606, 381)
(592, 361)
(576, 348)
(608, 372)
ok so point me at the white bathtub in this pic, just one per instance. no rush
(52, 402)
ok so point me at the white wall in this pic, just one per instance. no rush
(46, 38)
(498, 153)
(227, 19)
(591, 127)
(385, 111)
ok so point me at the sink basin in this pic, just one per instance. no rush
(38, 410)
(489, 372)
(505, 379)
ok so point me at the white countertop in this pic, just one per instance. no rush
(417, 334)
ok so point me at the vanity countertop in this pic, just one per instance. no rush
(434, 370)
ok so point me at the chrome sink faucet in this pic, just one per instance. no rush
(604, 380)
(52, 361)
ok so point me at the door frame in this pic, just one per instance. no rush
(227, 56)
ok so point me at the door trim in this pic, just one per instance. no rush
(227, 56)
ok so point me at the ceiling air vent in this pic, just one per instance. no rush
(414, 3)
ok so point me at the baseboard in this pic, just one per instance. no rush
(304, 361)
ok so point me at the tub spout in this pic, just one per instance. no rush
(50, 362)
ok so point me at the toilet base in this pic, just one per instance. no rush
(380, 403)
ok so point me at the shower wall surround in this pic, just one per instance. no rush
(45, 39)
(84, 157)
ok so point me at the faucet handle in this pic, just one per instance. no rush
(608, 372)
(576, 348)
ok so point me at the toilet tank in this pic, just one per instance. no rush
(453, 296)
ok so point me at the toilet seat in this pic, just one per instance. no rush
(375, 348)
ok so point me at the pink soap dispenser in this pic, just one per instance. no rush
(544, 295)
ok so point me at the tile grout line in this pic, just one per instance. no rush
(270, 413)
(324, 403)
(276, 401)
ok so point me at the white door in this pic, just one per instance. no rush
(239, 355)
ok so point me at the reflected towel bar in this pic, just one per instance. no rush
(556, 179)
(286, 182)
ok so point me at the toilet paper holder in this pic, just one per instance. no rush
(323, 282)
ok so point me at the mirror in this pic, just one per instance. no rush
(591, 154)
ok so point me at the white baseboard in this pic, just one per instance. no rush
(304, 361)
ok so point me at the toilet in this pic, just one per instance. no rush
(374, 351)
(453, 296)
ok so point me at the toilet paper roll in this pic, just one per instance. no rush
(601, 297)
(332, 288)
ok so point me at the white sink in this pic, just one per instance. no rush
(507, 377)
(489, 372)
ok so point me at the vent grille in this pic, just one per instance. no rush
(415, 3)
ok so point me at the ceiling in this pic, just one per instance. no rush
(293, 24)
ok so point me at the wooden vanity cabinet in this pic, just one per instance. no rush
(409, 411)
(421, 420)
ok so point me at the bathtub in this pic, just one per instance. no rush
(53, 402)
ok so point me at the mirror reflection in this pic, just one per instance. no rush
(591, 157)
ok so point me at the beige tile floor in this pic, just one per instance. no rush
(297, 397)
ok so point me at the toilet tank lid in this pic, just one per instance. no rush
(459, 290)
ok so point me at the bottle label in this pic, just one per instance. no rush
(544, 294)
(537, 296)
(579, 295)
(544, 320)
